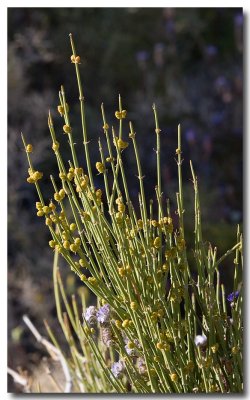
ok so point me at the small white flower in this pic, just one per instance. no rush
(200, 340)
(103, 314)
(90, 315)
(118, 368)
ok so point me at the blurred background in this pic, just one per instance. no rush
(188, 61)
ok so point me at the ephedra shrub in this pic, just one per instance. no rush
(156, 325)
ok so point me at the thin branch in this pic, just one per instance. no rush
(227, 253)
(53, 351)
(19, 379)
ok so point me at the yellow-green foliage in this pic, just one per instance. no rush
(157, 327)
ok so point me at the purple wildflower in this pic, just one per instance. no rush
(106, 334)
(90, 315)
(141, 365)
(118, 368)
(233, 296)
(125, 338)
(131, 352)
(103, 314)
(200, 340)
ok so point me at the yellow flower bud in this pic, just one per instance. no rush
(208, 362)
(78, 171)
(174, 377)
(165, 268)
(119, 217)
(52, 206)
(29, 148)
(125, 323)
(57, 197)
(118, 324)
(133, 305)
(140, 223)
(84, 182)
(62, 193)
(62, 176)
(59, 248)
(87, 330)
(106, 126)
(160, 345)
(37, 175)
(98, 193)
(92, 280)
(46, 209)
(40, 213)
(77, 241)
(52, 244)
(180, 242)
(214, 348)
(75, 59)
(82, 262)
(70, 176)
(153, 372)
(154, 316)
(73, 247)
(121, 144)
(121, 114)
(62, 216)
(48, 222)
(121, 207)
(214, 388)
(66, 244)
(122, 271)
(157, 242)
(30, 180)
(60, 109)
(83, 278)
(72, 227)
(100, 167)
(67, 129)
(55, 146)
(155, 223)
(128, 269)
(85, 216)
(65, 235)
(39, 205)
(131, 345)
